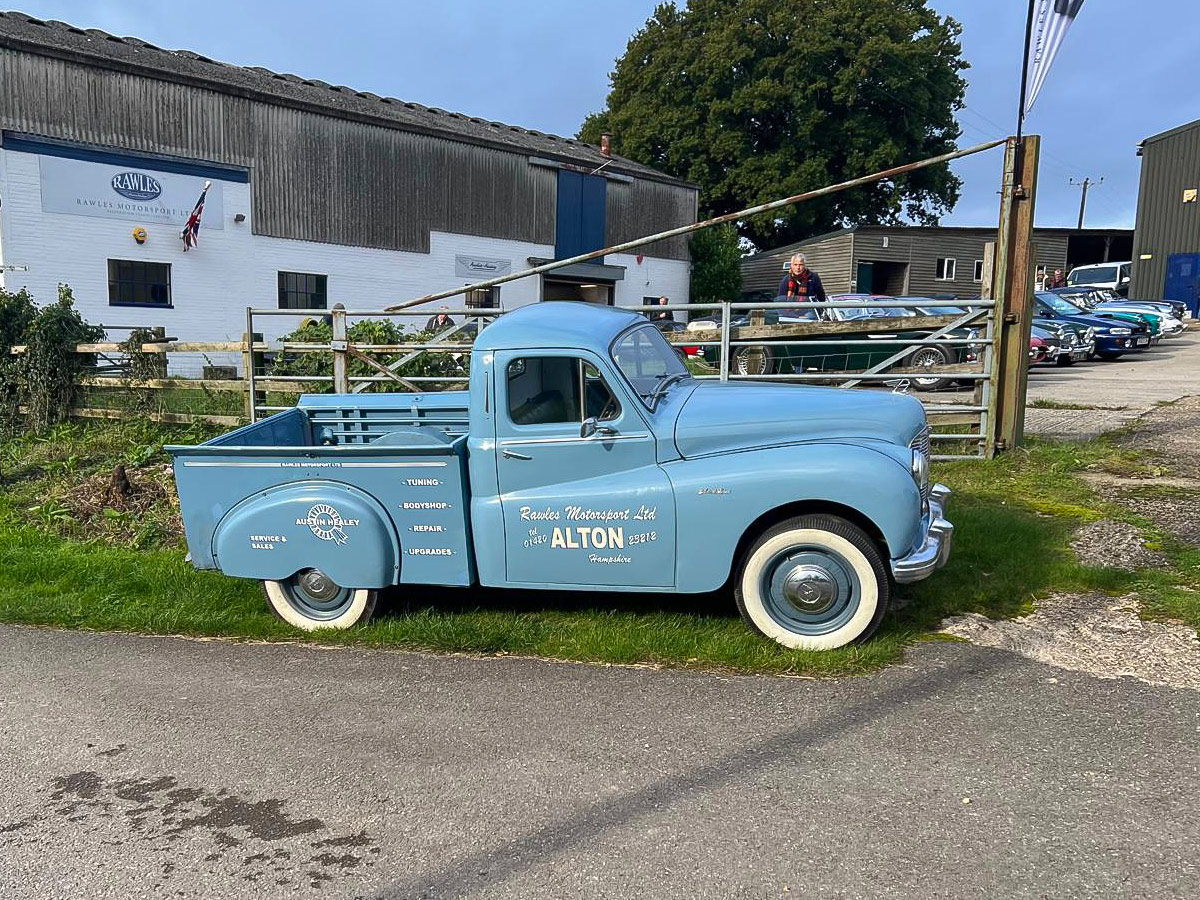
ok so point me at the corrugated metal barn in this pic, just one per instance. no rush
(321, 193)
(1166, 246)
(923, 261)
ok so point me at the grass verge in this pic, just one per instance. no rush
(104, 570)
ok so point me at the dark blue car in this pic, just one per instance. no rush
(1114, 337)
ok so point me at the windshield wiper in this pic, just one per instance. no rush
(660, 389)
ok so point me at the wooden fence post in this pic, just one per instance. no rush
(1013, 290)
(339, 345)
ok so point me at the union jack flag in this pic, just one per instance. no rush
(191, 231)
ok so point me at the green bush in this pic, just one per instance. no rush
(373, 331)
(46, 376)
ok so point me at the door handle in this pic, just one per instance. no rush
(513, 454)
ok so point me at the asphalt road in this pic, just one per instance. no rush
(1163, 373)
(138, 767)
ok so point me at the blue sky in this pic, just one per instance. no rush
(1119, 78)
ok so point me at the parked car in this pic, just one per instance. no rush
(1113, 275)
(1039, 346)
(792, 354)
(1073, 343)
(583, 457)
(1113, 339)
(1160, 317)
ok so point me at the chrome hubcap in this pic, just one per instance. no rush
(318, 585)
(811, 589)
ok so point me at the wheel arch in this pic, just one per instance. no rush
(782, 513)
(265, 536)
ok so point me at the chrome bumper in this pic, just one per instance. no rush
(935, 549)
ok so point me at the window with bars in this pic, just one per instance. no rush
(299, 290)
(136, 283)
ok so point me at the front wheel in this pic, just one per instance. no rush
(310, 600)
(813, 583)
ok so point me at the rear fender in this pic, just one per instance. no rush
(333, 527)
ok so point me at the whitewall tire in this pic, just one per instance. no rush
(813, 583)
(310, 600)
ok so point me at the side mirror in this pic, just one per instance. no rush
(588, 427)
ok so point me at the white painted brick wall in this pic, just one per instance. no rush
(212, 284)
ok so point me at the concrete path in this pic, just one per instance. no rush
(150, 767)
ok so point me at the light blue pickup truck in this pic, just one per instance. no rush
(584, 457)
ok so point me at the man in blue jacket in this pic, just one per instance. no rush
(800, 284)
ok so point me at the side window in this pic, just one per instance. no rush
(545, 390)
(599, 402)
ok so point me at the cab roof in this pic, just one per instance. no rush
(557, 324)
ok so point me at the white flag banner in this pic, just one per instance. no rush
(1052, 19)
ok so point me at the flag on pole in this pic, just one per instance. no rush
(1052, 20)
(191, 231)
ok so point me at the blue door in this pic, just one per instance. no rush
(579, 214)
(592, 510)
(1183, 280)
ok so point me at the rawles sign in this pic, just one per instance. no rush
(136, 186)
(78, 187)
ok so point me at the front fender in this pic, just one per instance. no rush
(719, 497)
(333, 527)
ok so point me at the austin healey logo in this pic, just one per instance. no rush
(327, 523)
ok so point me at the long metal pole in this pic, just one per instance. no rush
(1025, 71)
(708, 223)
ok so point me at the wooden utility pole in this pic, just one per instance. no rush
(1012, 287)
(1085, 184)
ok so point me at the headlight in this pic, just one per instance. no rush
(973, 334)
(920, 469)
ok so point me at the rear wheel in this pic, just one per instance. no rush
(813, 583)
(929, 358)
(757, 360)
(310, 600)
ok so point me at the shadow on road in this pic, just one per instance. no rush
(472, 874)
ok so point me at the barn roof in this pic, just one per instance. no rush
(91, 46)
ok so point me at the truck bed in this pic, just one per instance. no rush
(405, 452)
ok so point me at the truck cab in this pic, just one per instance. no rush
(583, 456)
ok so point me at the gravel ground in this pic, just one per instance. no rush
(1115, 545)
(1097, 634)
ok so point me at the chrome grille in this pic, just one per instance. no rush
(922, 443)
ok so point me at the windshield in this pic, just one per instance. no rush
(1093, 275)
(647, 360)
(1059, 304)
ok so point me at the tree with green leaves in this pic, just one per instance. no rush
(760, 99)
(716, 264)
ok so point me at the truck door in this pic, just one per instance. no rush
(581, 506)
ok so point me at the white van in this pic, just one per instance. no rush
(1113, 275)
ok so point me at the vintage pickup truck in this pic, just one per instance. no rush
(582, 457)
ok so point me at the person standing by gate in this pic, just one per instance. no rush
(801, 284)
